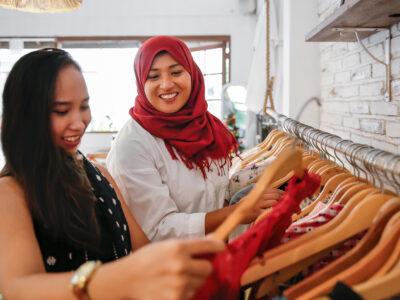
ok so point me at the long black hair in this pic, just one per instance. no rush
(56, 187)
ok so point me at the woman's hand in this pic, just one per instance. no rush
(169, 269)
(267, 200)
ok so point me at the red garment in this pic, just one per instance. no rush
(195, 133)
(228, 267)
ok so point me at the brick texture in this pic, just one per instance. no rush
(352, 88)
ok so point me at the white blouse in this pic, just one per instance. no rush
(167, 199)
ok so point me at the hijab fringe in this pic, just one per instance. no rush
(203, 162)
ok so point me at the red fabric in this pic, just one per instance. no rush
(228, 267)
(195, 133)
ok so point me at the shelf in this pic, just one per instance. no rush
(356, 13)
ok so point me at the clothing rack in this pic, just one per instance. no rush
(379, 167)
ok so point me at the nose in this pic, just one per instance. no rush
(77, 122)
(166, 83)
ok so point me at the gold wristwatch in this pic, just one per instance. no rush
(81, 278)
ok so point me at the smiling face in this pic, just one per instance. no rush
(168, 84)
(70, 111)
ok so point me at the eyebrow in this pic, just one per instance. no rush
(67, 102)
(170, 67)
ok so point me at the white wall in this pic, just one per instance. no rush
(301, 73)
(146, 18)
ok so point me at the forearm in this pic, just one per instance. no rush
(103, 285)
(215, 218)
(40, 286)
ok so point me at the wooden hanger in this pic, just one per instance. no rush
(326, 172)
(350, 192)
(266, 144)
(267, 286)
(362, 269)
(320, 169)
(266, 152)
(316, 158)
(287, 161)
(342, 189)
(270, 283)
(329, 172)
(383, 287)
(367, 243)
(357, 220)
(333, 187)
(283, 146)
(318, 164)
(307, 159)
(292, 244)
(271, 138)
(390, 263)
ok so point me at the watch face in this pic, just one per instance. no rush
(83, 273)
(87, 267)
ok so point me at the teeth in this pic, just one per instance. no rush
(72, 138)
(168, 96)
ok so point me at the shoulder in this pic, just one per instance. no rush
(10, 186)
(103, 170)
(132, 145)
(131, 137)
(11, 193)
(133, 129)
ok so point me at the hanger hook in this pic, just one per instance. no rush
(314, 139)
(333, 156)
(358, 148)
(393, 172)
(307, 136)
(352, 159)
(347, 156)
(365, 164)
(300, 135)
(324, 146)
(315, 136)
(392, 181)
(370, 157)
(335, 149)
(376, 171)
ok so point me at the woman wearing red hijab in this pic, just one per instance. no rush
(171, 158)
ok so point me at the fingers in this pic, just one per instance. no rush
(267, 204)
(199, 267)
(272, 194)
(274, 191)
(201, 246)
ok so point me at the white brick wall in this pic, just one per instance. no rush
(387, 108)
(393, 129)
(352, 88)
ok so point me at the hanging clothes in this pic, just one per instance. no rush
(228, 267)
(246, 175)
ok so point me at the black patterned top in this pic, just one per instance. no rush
(59, 256)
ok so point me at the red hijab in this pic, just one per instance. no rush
(196, 134)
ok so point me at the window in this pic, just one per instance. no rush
(107, 65)
(213, 61)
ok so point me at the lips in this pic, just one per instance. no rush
(72, 141)
(169, 96)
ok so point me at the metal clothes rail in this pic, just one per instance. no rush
(380, 167)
